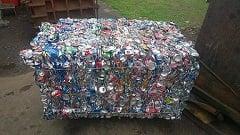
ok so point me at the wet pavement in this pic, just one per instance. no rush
(21, 109)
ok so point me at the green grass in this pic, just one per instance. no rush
(178, 11)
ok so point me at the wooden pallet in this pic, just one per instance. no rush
(52, 10)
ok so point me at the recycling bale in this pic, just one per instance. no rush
(102, 68)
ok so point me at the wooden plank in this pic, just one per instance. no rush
(205, 117)
(49, 6)
(225, 109)
(209, 129)
(37, 3)
(73, 4)
(85, 4)
(39, 16)
(60, 5)
(226, 127)
(209, 121)
(210, 109)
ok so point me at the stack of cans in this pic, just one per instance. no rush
(112, 67)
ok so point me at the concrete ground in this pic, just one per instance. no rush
(21, 109)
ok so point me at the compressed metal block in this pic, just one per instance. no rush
(107, 67)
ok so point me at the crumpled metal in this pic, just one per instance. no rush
(112, 67)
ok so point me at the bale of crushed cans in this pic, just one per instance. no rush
(112, 67)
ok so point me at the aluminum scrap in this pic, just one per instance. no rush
(112, 67)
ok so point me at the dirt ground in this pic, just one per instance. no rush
(21, 109)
